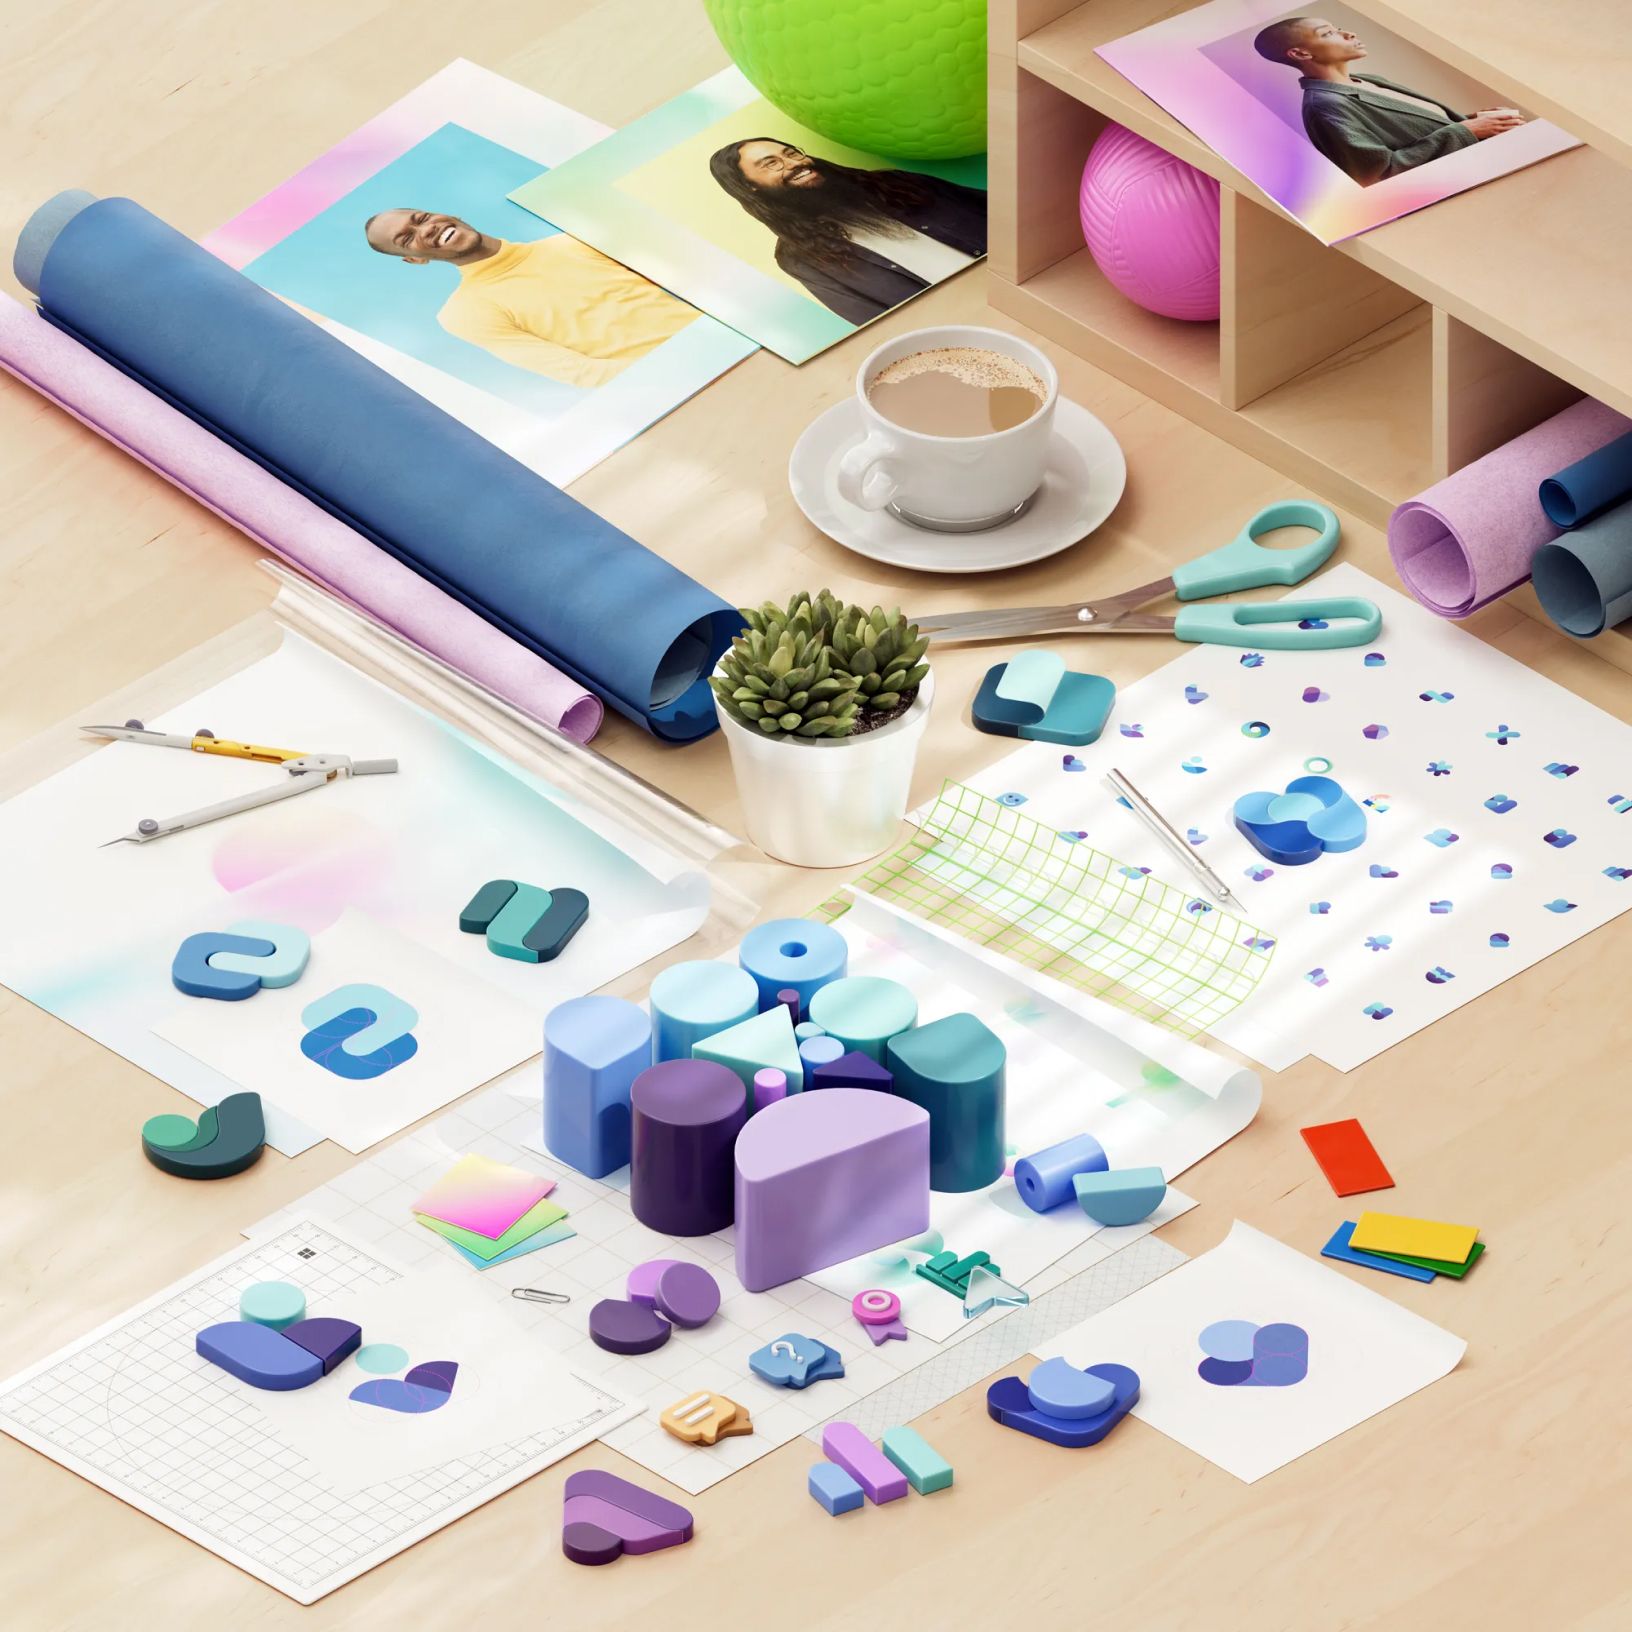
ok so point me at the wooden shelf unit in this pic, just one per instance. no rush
(1365, 370)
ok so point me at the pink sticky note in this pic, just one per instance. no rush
(483, 1196)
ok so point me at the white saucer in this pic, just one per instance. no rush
(1085, 477)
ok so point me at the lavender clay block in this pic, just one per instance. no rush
(825, 1177)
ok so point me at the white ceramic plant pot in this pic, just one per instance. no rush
(827, 804)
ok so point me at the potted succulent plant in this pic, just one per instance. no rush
(822, 706)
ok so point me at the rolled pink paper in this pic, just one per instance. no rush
(285, 522)
(1471, 538)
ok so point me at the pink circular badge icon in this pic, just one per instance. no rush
(875, 1307)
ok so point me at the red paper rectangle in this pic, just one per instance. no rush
(1347, 1157)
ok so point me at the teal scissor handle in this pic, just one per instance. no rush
(1277, 626)
(1244, 563)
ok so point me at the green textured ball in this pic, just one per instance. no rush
(905, 79)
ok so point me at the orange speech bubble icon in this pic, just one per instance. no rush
(703, 1418)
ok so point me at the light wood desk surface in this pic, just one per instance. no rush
(1498, 1498)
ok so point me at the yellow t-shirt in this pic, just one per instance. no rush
(560, 308)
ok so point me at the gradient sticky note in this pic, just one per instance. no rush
(530, 1223)
(546, 1237)
(1347, 1157)
(1416, 1237)
(483, 1196)
(1436, 1266)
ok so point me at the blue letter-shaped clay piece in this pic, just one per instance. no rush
(192, 973)
(258, 1355)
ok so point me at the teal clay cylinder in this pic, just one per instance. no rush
(954, 1069)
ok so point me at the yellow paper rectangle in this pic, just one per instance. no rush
(1422, 1237)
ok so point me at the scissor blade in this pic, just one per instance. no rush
(1009, 623)
(1074, 618)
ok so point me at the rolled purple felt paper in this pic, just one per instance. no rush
(1469, 539)
(285, 522)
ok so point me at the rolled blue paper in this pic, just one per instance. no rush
(1591, 485)
(427, 490)
(1584, 579)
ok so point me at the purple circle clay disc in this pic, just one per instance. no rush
(587, 1543)
(688, 1294)
(642, 1282)
(627, 1328)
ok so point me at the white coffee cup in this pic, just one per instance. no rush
(949, 484)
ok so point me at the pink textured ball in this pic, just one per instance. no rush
(1151, 224)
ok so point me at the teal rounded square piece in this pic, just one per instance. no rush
(1074, 713)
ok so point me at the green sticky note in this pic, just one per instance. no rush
(1440, 1266)
(537, 1217)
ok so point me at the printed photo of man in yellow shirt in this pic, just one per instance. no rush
(555, 306)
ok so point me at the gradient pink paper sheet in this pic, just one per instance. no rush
(483, 1196)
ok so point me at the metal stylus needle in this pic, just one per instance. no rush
(1165, 831)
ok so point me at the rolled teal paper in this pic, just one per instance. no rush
(1584, 578)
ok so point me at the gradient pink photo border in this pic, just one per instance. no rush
(453, 93)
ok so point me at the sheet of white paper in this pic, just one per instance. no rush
(1498, 805)
(510, 1384)
(408, 851)
(132, 1407)
(467, 1033)
(1364, 1352)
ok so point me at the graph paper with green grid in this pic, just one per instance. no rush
(980, 869)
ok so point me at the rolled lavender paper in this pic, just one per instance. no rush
(285, 522)
(1469, 539)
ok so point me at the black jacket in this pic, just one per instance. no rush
(1371, 137)
(866, 284)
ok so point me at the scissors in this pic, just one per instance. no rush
(306, 773)
(1243, 563)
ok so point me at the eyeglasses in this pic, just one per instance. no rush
(775, 163)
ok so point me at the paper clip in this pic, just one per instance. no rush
(537, 1294)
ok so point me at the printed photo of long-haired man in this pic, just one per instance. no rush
(861, 241)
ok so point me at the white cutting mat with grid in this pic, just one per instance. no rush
(373, 1201)
(133, 1408)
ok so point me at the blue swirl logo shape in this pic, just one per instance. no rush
(359, 1031)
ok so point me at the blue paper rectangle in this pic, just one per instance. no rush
(1338, 1247)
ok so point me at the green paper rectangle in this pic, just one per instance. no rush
(1440, 1266)
(539, 1216)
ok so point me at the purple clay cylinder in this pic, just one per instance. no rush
(789, 999)
(770, 1085)
(685, 1118)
